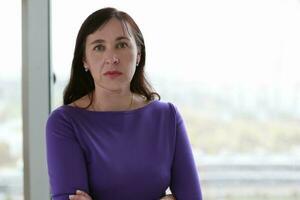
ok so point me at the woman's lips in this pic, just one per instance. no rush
(113, 74)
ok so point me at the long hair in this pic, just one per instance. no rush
(81, 83)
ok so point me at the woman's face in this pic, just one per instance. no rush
(111, 55)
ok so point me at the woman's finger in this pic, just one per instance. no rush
(78, 197)
(83, 193)
(168, 197)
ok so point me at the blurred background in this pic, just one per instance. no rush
(231, 67)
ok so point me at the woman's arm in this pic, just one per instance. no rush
(66, 162)
(80, 195)
(184, 177)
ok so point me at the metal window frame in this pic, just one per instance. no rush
(36, 95)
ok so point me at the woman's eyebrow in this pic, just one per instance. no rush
(121, 38)
(97, 41)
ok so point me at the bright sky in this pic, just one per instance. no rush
(212, 42)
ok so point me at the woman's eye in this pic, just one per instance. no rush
(99, 48)
(122, 45)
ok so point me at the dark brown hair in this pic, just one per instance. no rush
(81, 83)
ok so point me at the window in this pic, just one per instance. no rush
(11, 158)
(232, 67)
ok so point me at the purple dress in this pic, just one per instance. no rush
(120, 155)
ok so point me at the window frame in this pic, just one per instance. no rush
(36, 95)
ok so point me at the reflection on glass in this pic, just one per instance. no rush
(11, 160)
(232, 67)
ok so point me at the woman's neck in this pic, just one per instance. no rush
(112, 100)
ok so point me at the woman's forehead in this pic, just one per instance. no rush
(111, 30)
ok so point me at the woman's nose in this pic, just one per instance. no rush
(112, 60)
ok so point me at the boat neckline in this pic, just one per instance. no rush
(113, 112)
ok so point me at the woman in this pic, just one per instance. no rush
(112, 139)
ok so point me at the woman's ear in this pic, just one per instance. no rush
(138, 58)
(85, 65)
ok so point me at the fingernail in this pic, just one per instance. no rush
(71, 196)
(78, 191)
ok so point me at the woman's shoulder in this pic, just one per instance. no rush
(82, 102)
(64, 112)
(58, 113)
(171, 108)
(166, 108)
(58, 119)
(167, 105)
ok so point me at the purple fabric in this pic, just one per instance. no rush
(116, 155)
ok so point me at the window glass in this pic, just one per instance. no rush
(232, 67)
(11, 154)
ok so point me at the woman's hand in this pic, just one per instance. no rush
(80, 195)
(168, 197)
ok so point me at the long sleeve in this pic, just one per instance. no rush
(184, 177)
(66, 162)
